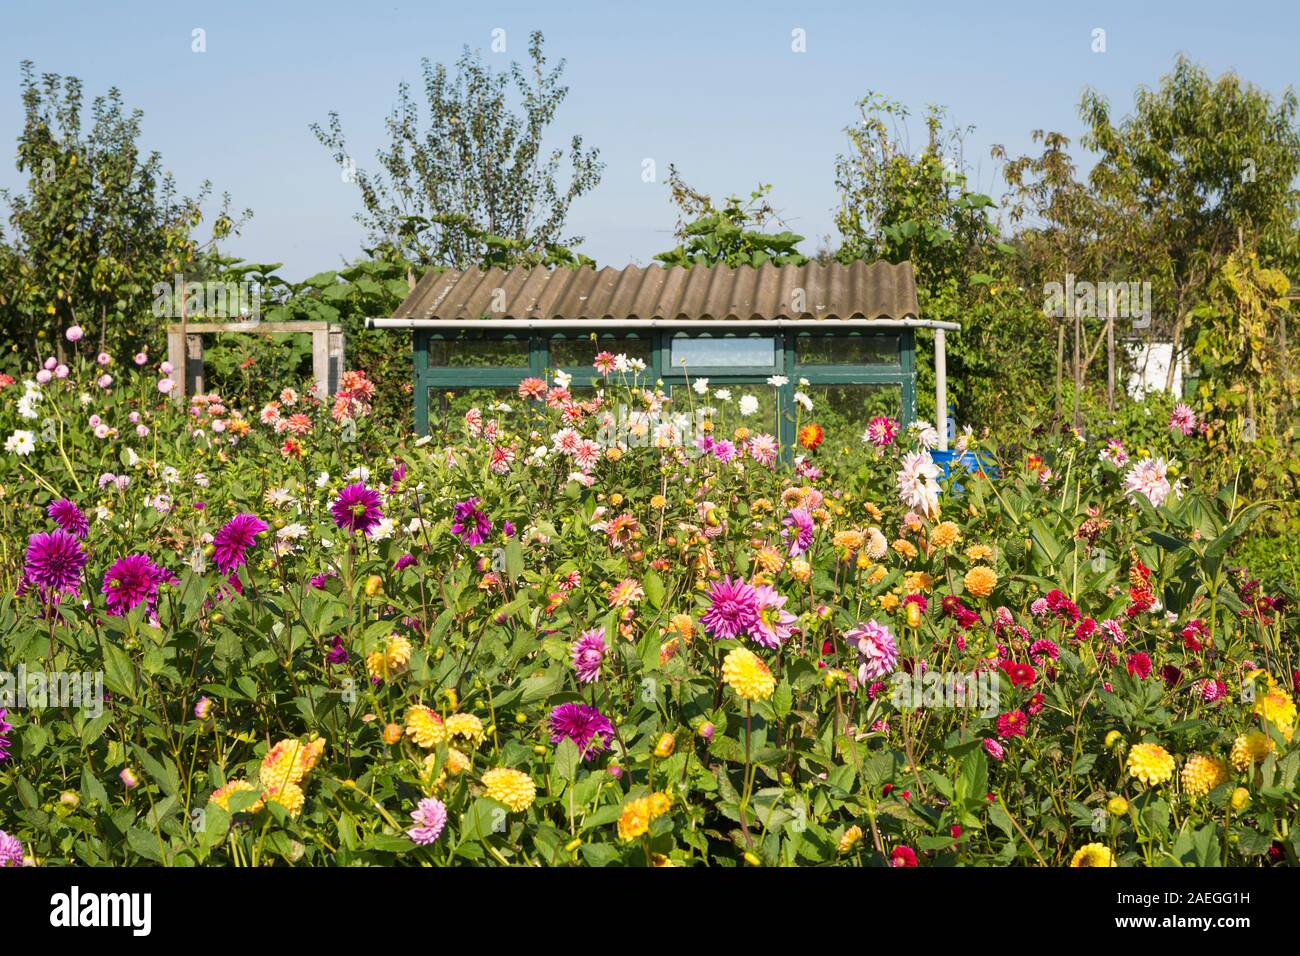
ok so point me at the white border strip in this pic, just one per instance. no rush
(560, 324)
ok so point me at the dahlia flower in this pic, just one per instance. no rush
(69, 517)
(469, 523)
(512, 787)
(772, 625)
(588, 654)
(1150, 763)
(733, 609)
(430, 816)
(231, 543)
(584, 725)
(357, 508)
(746, 674)
(54, 561)
(877, 652)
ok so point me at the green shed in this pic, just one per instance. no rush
(848, 331)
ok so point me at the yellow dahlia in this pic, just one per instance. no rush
(512, 787)
(221, 796)
(848, 543)
(979, 552)
(465, 725)
(289, 796)
(1201, 774)
(800, 570)
(1250, 748)
(878, 574)
(1150, 763)
(944, 535)
(634, 820)
(1240, 799)
(914, 581)
(1277, 707)
(289, 761)
(747, 675)
(1117, 806)
(660, 803)
(683, 625)
(1093, 854)
(425, 727)
(851, 838)
(981, 580)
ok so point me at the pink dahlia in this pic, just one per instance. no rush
(800, 531)
(131, 580)
(733, 609)
(772, 626)
(430, 816)
(469, 523)
(588, 654)
(1183, 419)
(877, 652)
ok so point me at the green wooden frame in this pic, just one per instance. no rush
(903, 374)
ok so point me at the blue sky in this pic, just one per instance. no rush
(714, 88)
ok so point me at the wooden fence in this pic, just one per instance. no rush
(185, 351)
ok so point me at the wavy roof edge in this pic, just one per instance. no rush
(880, 290)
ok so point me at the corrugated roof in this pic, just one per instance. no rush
(829, 291)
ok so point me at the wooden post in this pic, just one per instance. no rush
(193, 364)
(338, 351)
(327, 348)
(176, 359)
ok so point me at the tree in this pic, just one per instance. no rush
(898, 206)
(97, 225)
(1207, 165)
(731, 235)
(476, 187)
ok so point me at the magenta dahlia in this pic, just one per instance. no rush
(69, 517)
(54, 561)
(131, 580)
(584, 725)
(231, 543)
(357, 508)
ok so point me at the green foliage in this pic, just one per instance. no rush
(477, 185)
(97, 225)
(731, 235)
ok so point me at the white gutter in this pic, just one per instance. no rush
(560, 324)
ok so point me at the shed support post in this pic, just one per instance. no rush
(941, 388)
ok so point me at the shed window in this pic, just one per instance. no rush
(475, 350)
(723, 352)
(858, 349)
(579, 351)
